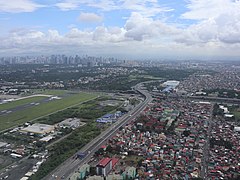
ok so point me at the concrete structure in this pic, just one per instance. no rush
(84, 170)
(40, 129)
(95, 178)
(81, 173)
(228, 115)
(3, 144)
(225, 109)
(171, 83)
(71, 123)
(109, 118)
(237, 129)
(130, 173)
(29, 174)
(114, 177)
(24, 178)
(104, 166)
(46, 139)
(14, 155)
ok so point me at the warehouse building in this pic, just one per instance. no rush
(39, 129)
(71, 123)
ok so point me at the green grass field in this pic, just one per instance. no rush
(20, 102)
(19, 117)
(144, 76)
(54, 92)
(235, 111)
(237, 114)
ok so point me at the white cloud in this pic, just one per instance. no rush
(205, 9)
(66, 6)
(109, 35)
(17, 6)
(217, 21)
(110, 41)
(147, 8)
(90, 18)
(140, 28)
(132, 40)
(142, 35)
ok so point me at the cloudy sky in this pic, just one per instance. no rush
(158, 29)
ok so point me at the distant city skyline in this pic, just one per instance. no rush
(130, 29)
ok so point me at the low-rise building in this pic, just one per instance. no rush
(39, 129)
(104, 166)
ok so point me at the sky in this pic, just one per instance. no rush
(130, 29)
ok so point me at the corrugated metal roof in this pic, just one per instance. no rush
(104, 162)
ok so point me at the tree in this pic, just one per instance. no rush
(109, 148)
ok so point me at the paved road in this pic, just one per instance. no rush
(206, 149)
(215, 99)
(72, 164)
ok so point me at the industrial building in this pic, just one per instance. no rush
(170, 85)
(46, 139)
(109, 118)
(71, 123)
(39, 129)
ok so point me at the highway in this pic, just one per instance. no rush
(204, 98)
(66, 169)
(215, 99)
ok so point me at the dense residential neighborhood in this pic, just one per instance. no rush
(172, 139)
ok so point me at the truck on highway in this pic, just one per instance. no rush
(81, 155)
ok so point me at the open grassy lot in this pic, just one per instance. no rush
(235, 110)
(19, 117)
(20, 102)
(144, 76)
(237, 114)
(54, 92)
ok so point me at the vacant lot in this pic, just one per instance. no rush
(44, 109)
(237, 114)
